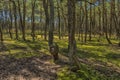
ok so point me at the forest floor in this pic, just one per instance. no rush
(27, 60)
(33, 68)
(24, 60)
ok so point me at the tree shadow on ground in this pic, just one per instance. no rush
(3, 48)
(24, 64)
(99, 66)
(81, 53)
(27, 68)
(96, 44)
(86, 54)
(24, 47)
(35, 45)
(113, 56)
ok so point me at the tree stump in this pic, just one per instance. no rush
(54, 50)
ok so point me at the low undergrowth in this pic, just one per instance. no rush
(95, 52)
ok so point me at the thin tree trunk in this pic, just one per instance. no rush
(1, 34)
(51, 28)
(100, 28)
(11, 23)
(59, 26)
(90, 28)
(15, 18)
(105, 23)
(45, 6)
(33, 20)
(24, 15)
(21, 20)
(86, 22)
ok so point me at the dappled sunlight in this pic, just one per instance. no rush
(99, 54)
(59, 40)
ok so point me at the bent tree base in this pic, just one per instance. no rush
(54, 50)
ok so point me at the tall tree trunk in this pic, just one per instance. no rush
(59, 26)
(24, 15)
(21, 20)
(86, 21)
(105, 23)
(65, 20)
(15, 19)
(11, 23)
(45, 6)
(90, 28)
(33, 20)
(82, 17)
(100, 28)
(111, 20)
(51, 28)
(41, 24)
(71, 29)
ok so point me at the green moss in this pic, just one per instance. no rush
(94, 51)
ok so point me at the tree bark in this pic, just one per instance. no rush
(15, 18)
(33, 20)
(59, 20)
(71, 29)
(51, 28)
(11, 23)
(45, 6)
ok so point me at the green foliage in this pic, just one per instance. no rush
(85, 73)
(66, 74)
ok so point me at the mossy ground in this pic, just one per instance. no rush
(93, 51)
